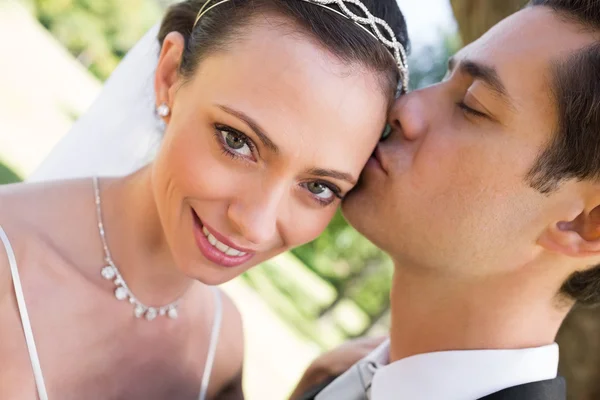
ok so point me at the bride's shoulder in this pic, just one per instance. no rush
(18, 233)
(16, 197)
(10, 214)
(25, 203)
(21, 204)
(27, 212)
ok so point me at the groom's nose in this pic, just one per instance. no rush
(409, 116)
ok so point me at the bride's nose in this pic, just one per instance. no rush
(255, 215)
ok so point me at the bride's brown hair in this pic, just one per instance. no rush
(226, 23)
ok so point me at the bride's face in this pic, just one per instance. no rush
(261, 145)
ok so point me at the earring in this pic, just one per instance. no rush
(163, 110)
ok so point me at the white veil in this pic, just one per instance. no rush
(120, 132)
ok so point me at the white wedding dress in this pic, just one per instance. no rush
(119, 134)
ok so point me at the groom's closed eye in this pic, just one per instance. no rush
(485, 96)
(483, 73)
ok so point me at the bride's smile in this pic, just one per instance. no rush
(217, 248)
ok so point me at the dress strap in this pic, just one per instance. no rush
(214, 340)
(33, 354)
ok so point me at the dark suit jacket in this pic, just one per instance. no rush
(555, 389)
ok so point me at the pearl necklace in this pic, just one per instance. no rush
(111, 273)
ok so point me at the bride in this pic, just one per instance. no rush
(270, 110)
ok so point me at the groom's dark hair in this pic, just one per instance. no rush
(574, 152)
(227, 22)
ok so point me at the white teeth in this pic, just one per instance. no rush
(232, 252)
(213, 240)
(221, 246)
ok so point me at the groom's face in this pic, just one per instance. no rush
(453, 193)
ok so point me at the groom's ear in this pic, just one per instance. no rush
(167, 70)
(579, 236)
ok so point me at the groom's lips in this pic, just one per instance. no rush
(377, 161)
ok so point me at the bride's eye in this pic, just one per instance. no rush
(235, 142)
(387, 131)
(323, 192)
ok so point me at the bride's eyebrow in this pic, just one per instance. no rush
(333, 174)
(252, 124)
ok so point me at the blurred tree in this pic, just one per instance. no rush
(98, 33)
(475, 17)
(579, 337)
(579, 342)
(428, 65)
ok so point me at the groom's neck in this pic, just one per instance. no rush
(433, 313)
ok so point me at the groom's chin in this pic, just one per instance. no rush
(357, 210)
(362, 206)
(363, 213)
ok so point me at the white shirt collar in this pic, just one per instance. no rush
(460, 375)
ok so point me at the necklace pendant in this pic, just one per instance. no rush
(121, 293)
(139, 311)
(172, 313)
(108, 273)
(151, 314)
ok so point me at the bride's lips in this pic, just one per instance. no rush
(212, 253)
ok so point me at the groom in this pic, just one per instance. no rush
(487, 197)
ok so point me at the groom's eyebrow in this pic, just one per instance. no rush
(255, 126)
(485, 73)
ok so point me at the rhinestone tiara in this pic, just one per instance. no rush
(376, 27)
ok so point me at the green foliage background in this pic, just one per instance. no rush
(7, 175)
(97, 32)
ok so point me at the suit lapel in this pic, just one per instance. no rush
(555, 389)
